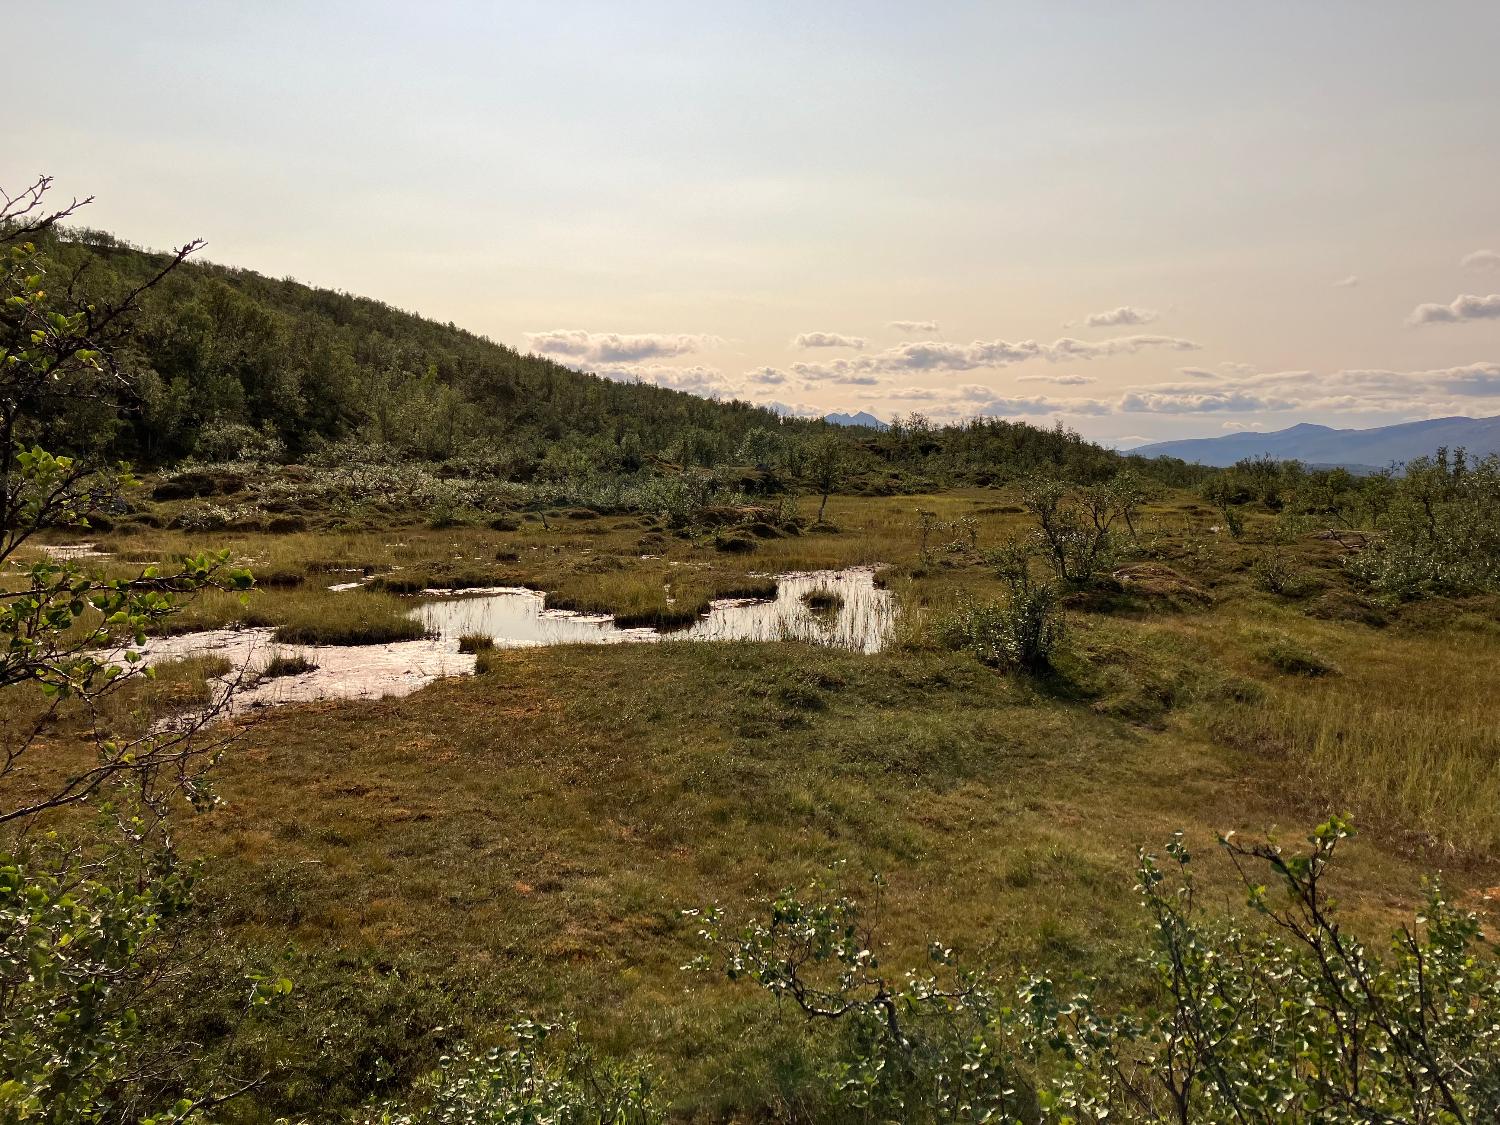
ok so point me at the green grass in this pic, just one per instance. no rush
(288, 664)
(475, 642)
(524, 840)
(823, 601)
(355, 617)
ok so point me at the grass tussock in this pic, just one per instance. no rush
(475, 642)
(823, 601)
(356, 617)
(288, 664)
(1293, 659)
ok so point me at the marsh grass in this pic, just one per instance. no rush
(288, 664)
(1292, 658)
(356, 617)
(475, 642)
(823, 601)
(525, 840)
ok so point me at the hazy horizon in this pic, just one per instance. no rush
(1150, 222)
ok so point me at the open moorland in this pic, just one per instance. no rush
(526, 839)
(435, 734)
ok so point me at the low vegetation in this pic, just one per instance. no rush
(344, 912)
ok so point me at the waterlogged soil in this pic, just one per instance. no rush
(860, 619)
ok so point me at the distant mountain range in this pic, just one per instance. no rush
(1322, 445)
(861, 419)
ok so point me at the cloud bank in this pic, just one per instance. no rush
(828, 340)
(1125, 314)
(1466, 307)
(1481, 260)
(1058, 380)
(937, 355)
(1470, 388)
(612, 347)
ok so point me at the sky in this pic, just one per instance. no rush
(1146, 220)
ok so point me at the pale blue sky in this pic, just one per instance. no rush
(709, 181)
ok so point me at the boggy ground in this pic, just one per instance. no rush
(524, 841)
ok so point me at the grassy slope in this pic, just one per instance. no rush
(524, 840)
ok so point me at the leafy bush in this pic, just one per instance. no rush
(1021, 631)
(914, 1048)
(1441, 531)
(221, 440)
(1077, 527)
(1275, 573)
(545, 1078)
(1288, 1017)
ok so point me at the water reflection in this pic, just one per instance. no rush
(861, 618)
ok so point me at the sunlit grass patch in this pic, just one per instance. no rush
(356, 617)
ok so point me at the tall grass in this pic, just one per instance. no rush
(1427, 764)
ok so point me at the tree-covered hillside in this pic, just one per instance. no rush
(224, 363)
(216, 348)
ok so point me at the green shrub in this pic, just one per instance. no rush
(1022, 630)
(1440, 533)
(1077, 528)
(545, 1076)
(1284, 1016)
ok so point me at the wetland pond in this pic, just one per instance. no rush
(842, 608)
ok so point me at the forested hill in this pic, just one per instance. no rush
(227, 364)
(216, 348)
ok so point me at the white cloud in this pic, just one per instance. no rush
(699, 380)
(913, 325)
(1198, 402)
(612, 347)
(1466, 307)
(828, 340)
(1058, 380)
(938, 355)
(1481, 260)
(1346, 282)
(1449, 390)
(794, 409)
(1197, 373)
(1125, 314)
(766, 376)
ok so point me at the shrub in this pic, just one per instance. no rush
(1440, 531)
(1076, 527)
(234, 441)
(1274, 573)
(546, 1075)
(1284, 1017)
(1022, 630)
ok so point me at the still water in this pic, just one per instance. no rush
(516, 618)
(861, 620)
